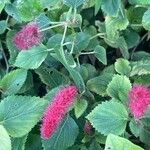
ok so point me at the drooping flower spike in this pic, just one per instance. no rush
(139, 100)
(87, 128)
(56, 110)
(27, 37)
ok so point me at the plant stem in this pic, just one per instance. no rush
(51, 27)
(87, 53)
(65, 31)
(99, 34)
(144, 36)
(5, 58)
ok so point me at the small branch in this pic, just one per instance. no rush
(65, 31)
(51, 27)
(145, 35)
(87, 53)
(5, 58)
(97, 35)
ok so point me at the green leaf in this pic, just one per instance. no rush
(33, 142)
(77, 78)
(2, 4)
(111, 7)
(19, 114)
(13, 51)
(119, 87)
(95, 146)
(122, 45)
(131, 38)
(42, 21)
(33, 6)
(100, 54)
(99, 84)
(67, 129)
(13, 81)
(32, 58)
(81, 41)
(49, 96)
(122, 66)
(146, 20)
(135, 15)
(79, 107)
(73, 3)
(134, 128)
(140, 67)
(143, 79)
(50, 3)
(98, 4)
(28, 84)
(75, 20)
(4, 139)
(3, 26)
(114, 142)
(52, 77)
(140, 2)
(115, 24)
(12, 11)
(109, 117)
(54, 41)
(19, 143)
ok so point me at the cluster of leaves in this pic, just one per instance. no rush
(75, 37)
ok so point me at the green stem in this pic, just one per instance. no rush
(5, 58)
(87, 53)
(51, 27)
(97, 35)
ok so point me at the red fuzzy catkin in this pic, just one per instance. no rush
(139, 100)
(27, 37)
(56, 110)
(87, 128)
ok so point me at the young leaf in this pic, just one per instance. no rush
(122, 66)
(32, 58)
(100, 54)
(119, 87)
(67, 129)
(5, 142)
(13, 81)
(117, 143)
(79, 107)
(19, 114)
(109, 117)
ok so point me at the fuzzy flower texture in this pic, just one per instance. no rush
(139, 100)
(27, 37)
(56, 110)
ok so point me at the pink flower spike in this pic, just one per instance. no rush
(56, 110)
(139, 100)
(27, 37)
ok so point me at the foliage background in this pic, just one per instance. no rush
(104, 51)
